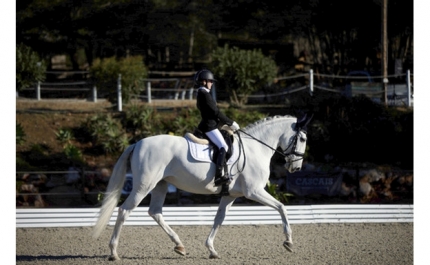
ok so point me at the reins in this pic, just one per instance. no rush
(241, 148)
(238, 157)
(263, 143)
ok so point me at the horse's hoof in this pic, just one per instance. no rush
(113, 258)
(288, 246)
(214, 256)
(180, 251)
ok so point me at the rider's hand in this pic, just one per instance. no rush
(234, 126)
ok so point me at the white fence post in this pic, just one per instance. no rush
(38, 90)
(311, 82)
(38, 82)
(408, 85)
(94, 93)
(148, 91)
(190, 96)
(119, 93)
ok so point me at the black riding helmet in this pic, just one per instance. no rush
(203, 75)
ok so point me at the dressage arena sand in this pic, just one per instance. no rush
(357, 243)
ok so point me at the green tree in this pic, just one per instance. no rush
(29, 67)
(194, 28)
(242, 72)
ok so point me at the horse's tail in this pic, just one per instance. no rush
(113, 192)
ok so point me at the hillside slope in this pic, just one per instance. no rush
(41, 120)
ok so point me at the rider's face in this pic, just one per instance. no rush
(209, 83)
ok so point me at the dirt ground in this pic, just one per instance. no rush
(371, 243)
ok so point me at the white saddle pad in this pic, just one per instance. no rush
(203, 152)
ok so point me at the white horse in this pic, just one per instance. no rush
(159, 160)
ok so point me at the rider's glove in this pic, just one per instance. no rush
(234, 126)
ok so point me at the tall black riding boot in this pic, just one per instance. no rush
(220, 164)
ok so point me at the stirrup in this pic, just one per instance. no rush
(222, 180)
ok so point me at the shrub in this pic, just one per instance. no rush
(186, 121)
(23, 165)
(20, 134)
(242, 72)
(64, 136)
(29, 67)
(358, 130)
(107, 133)
(73, 153)
(273, 190)
(141, 121)
(105, 75)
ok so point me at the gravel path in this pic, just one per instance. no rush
(373, 243)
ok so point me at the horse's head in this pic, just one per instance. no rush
(296, 145)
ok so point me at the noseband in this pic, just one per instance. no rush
(294, 150)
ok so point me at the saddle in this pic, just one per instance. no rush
(199, 137)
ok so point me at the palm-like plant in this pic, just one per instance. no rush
(273, 190)
(107, 133)
(64, 136)
(186, 121)
(72, 152)
(141, 121)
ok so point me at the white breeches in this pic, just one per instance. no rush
(216, 137)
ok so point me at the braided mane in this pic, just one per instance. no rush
(267, 120)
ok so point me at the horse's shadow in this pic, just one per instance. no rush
(66, 257)
(50, 257)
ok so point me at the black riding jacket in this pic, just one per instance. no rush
(211, 115)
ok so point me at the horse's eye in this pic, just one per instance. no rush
(302, 139)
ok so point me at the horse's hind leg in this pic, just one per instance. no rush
(263, 197)
(158, 196)
(124, 212)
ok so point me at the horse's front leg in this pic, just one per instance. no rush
(263, 197)
(223, 208)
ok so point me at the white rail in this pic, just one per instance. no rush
(238, 215)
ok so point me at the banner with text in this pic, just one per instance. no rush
(306, 183)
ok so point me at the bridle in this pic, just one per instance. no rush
(284, 153)
(294, 150)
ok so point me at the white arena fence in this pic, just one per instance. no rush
(182, 88)
(238, 215)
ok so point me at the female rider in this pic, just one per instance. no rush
(211, 117)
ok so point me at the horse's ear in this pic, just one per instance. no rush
(303, 123)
